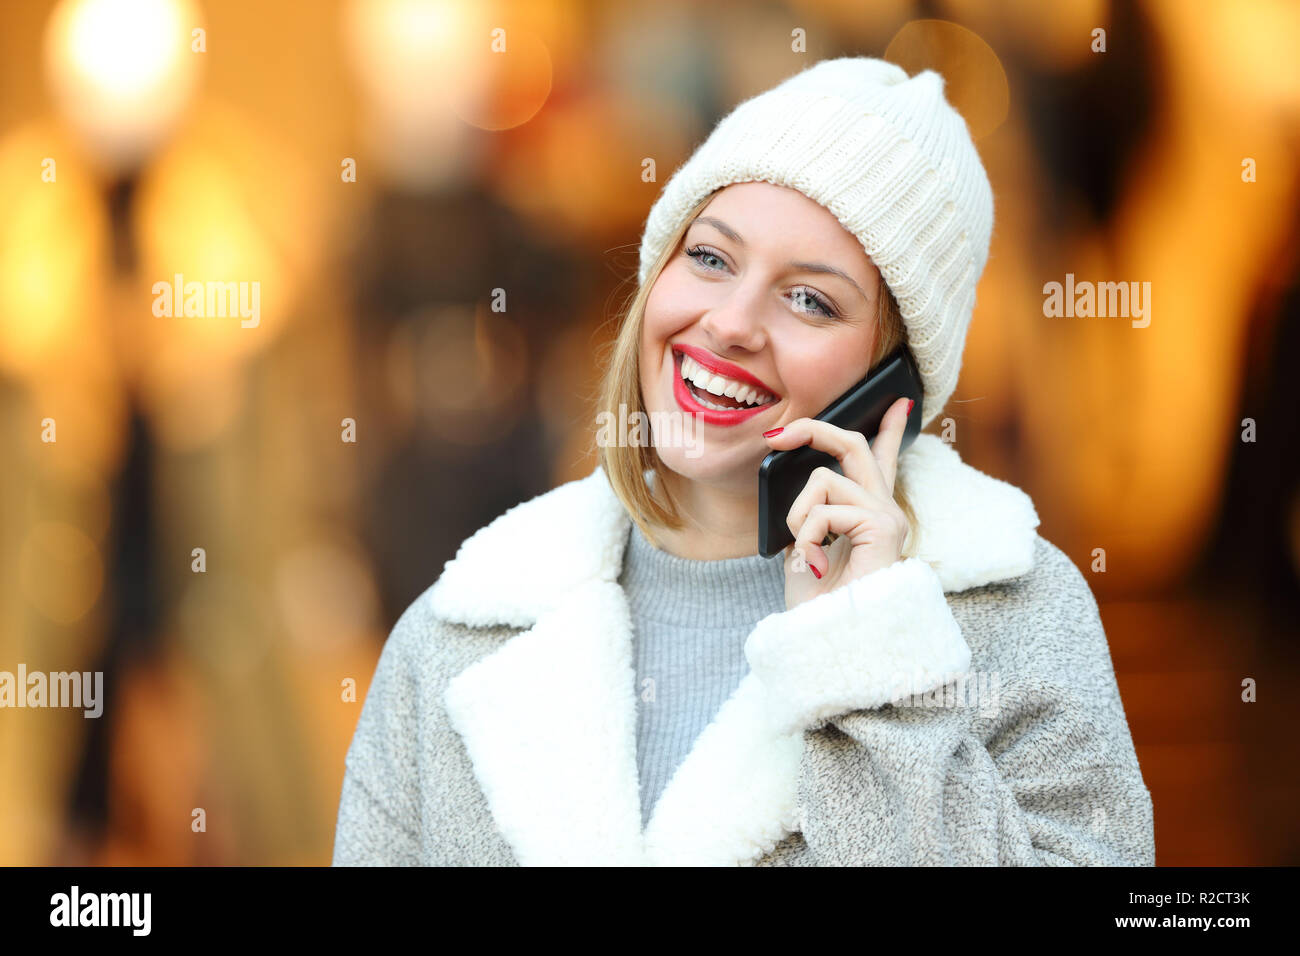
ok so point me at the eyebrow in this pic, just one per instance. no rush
(820, 267)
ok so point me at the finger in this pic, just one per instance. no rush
(849, 448)
(888, 441)
(825, 487)
(796, 561)
(822, 519)
(862, 526)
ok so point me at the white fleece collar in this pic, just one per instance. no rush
(975, 529)
(549, 718)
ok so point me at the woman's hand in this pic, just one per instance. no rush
(858, 505)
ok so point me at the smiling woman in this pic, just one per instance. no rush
(824, 340)
(612, 674)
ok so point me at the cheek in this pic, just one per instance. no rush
(816, 376)
(663, 319)
(651, 356)
(654, 325)
(652, 348)
(673, 300)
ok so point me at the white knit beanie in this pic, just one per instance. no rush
(892, 161)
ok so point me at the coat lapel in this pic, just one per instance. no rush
(549, 718)
(549, 724)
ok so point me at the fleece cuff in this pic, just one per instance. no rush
(874, 640)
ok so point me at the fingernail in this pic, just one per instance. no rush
(815, 571)
(774, 431)
(910, 403)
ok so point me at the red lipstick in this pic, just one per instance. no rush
(712, 416)
(724, 368)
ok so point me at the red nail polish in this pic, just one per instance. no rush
(815, 571)
(910, 403)
(774, 431)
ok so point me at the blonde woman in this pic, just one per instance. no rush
(611, 674)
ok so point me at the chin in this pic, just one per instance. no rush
(712, 465)
(697, 451)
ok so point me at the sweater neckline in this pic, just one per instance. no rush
(667, 588)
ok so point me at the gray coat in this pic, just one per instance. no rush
(957, 707)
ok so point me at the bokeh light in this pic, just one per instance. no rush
(122, 71)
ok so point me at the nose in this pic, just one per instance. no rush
(737, 321)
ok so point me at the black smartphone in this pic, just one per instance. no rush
(783, 474)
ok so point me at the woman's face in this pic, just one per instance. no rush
(751, 295)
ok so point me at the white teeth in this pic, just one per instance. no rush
(702, 378)
(721, 408)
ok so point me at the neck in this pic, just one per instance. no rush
(719, 521)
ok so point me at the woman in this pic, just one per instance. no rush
(611, 674)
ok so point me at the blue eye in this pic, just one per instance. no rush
(821, 303)
(700, 253)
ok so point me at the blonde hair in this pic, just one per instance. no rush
(625, 466)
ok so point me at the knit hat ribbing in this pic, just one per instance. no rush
(892, 161)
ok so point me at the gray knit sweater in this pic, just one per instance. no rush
(689, 624)
(956, 707)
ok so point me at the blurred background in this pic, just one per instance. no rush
(380, 168)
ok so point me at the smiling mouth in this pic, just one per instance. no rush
(718, 392)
